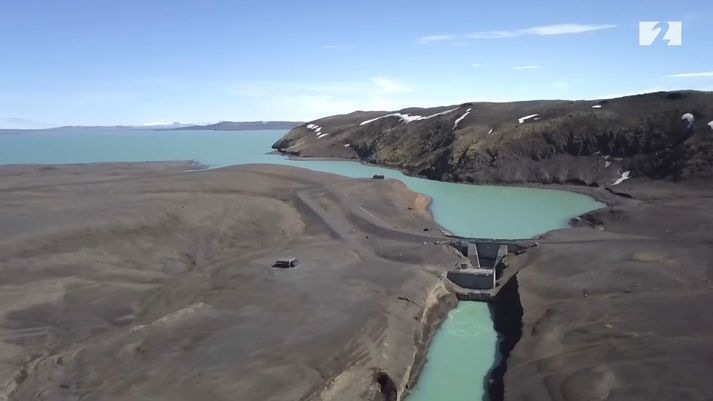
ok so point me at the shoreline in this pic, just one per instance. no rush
(161, 204)
(583, 189)
(629, 268)
(508, 337)
(440, 303)
(600, 194)
(171, 163)
(435, 313)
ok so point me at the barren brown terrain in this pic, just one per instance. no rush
(620, 307)
(148, 281)
(144, 281)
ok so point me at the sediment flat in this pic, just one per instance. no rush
(619, 308)
(126, 281)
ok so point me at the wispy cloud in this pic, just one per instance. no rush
(527, 67)
(437, 38)
(476, 65)
(704, 74)
(543, 30)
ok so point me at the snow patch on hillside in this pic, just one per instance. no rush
(407, 118)
(317, 130)
(490, 132)
(624, 176)
(523, 119)
(461, 118)
(399, 115)
(690, 118)
(597, 106)
(710, 124)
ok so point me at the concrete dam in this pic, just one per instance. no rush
(484, 268)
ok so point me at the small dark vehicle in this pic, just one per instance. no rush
(286, 263)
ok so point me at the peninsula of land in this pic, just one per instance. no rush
(133, 281)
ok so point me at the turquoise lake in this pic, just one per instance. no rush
(468, 210)
(463, 350)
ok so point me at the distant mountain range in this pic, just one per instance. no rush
(220, 126)
(663, 135)
(244, 126)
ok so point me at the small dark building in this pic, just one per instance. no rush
(286, 263)
(378, 177)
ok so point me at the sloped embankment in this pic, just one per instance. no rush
(663, 135)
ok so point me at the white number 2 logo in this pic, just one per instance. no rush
(650, 31)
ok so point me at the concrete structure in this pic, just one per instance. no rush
(479, 275)
(472, 254)
(486, 254)
(482, 271)
(479, 279)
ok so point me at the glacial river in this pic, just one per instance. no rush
(464, 349)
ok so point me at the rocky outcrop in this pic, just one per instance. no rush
(662, 135)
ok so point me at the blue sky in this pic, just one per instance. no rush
(134, 62)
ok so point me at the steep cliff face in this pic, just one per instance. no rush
(663, 135)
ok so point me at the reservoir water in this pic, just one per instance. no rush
(468, 210)
(463, 350)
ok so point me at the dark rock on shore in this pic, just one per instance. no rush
(662, 135)
(506, 312)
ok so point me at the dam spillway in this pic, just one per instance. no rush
(484, 269)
